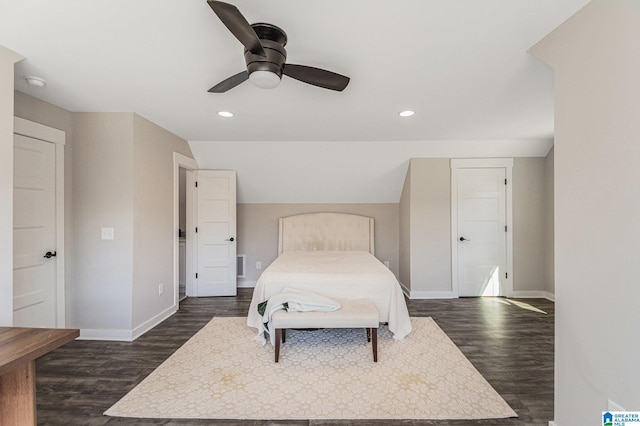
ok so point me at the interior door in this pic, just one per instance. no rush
(481, 240)
(216, 233)
(34, 233)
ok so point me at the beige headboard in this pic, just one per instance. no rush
(326, 231)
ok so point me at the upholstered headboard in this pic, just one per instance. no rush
(326, 231)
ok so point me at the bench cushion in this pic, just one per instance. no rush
(353, 313)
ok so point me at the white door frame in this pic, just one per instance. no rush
(58, 138)
(190, 165)
(456, 164)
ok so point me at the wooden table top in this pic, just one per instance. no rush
(19, 345)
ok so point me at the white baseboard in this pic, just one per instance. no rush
(152, 322)
(246, 284)
(535, 294)
(427, 294)
(105, 334)
(405, 290)
(126, 335)
(432, 295)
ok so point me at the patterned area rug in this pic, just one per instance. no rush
(222, 372)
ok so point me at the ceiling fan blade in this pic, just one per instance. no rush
(230, 82)
(316, 76)
(238, 25)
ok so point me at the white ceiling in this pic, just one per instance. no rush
(462, 65)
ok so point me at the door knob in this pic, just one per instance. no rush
(49, 254)
(464, 239)
(229, 239)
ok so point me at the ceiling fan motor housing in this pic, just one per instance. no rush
(273, 40)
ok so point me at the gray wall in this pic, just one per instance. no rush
(103, 197)
(153, 225)
(529, 225)
(258, 230)
(404, 274)
(597, 199)
(429, 226)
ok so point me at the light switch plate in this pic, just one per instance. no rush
(107, 234)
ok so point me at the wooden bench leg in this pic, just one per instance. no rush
(374, 343)
(278, 338)
(368, 334)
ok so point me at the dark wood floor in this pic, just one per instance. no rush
(510, 344)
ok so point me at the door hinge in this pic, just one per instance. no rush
(196, 275)
(505, 182)
(505, 228)
(196, 184)
(196, 229)
(506, 275)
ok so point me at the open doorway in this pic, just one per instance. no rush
(183, 179)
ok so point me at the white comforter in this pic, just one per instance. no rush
(340, 274)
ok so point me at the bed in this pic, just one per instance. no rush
(332, 254)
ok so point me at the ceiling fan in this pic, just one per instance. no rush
(265, 55)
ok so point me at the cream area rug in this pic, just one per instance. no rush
(223, 372)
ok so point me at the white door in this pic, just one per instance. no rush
(481, 231)
(34, 233)
(216, 233)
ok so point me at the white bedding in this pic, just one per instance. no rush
(341, 274)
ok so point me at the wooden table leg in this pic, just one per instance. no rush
(278, 338)
(18, 396)
(374, 343)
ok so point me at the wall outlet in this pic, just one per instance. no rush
(160, 289)
(258, 265)
(386, 263)
(107, 233)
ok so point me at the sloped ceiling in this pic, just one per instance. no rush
(462, 65)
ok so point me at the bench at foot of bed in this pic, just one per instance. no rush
(353, 313)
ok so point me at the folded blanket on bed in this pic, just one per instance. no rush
(295, 300)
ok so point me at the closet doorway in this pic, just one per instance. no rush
(481, 237)
(183, 182)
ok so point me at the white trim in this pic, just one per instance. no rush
(152, 322)
(190, 164)
(125, 335)
(534, 294)
(427, 294)
(404, 288)
(246, 284)
(432, 295)
(191, 249)
(105, 334)
(552, 423)
(39, 131)
(461, 163)
(454, 229)
(35, 130)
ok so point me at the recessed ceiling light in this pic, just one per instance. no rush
(225, 114)
(35, 81)
(407, 113)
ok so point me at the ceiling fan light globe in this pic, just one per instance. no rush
(264, 79)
